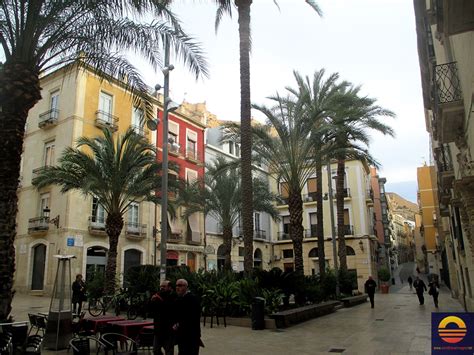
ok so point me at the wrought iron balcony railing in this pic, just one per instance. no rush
(443, 158)
(260, 234)
(140, 130)
(283, 236)
(106, 119)
(48, 118)
(447, 84)
(135, 230)
(310, 197)
(311, 232)
(348, 230)
(96, 225)
(38, 224)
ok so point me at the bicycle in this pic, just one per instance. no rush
(139, 304)
(98, 306)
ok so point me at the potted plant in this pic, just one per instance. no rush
(384, 277)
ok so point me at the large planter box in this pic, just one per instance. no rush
(384, 288)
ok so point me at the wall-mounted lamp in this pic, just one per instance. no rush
(237, 241)
(326, 196)
(55, 220)
(361, 245)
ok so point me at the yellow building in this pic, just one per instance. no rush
(445, 31)
(362, 245)
(76, 102)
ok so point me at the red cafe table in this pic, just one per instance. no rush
(129, 328)
(96, 323)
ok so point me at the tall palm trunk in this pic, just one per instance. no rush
(113, 228)
(19, 92)
(243, 7)
(340, 213)
(320, 219)
(227, 237)
(295, 207)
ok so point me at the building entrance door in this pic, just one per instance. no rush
(39, 260)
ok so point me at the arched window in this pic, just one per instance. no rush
(349, 251)
(313, 253)
(257, 258)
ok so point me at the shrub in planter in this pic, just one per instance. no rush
(142, 279)
(384, 274)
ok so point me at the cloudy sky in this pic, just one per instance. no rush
(371, 43)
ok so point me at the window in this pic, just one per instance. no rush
(257, 221)
(241, 251)
(231, 148)
(237, 150)
(44, 202)
(284, 190)
(133, 214)
(350, 251)
(287, 253)
(173, 132)
(172, 185)
(313, 223)
(105, 106)
(98, 211)
(312, 188)
(313, 253)
(137, 120)
(54, 104)
(49, 153)
(191, 176)
(286, 224)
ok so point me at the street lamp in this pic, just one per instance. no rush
(54, 221)
(333, 227)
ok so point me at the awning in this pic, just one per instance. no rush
(173, 225)
(193, 221)
(173, 255)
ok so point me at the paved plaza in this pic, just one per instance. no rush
(397, 325)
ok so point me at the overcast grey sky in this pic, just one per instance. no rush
(369, 42)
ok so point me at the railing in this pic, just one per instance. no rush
(175, 149)
(310, 197)
(259, 234)
(96, 225)
(135, 230)
(348, 229)
(36, 171)
(283, 236)
(311, 232)
(443, 158)
(105, 119)
(448, 86)
(193, 155)
(346, 192)
(282, 200)
(369, 194)
(48, 118)
(38, 224)
(174, 237)
(140, 130)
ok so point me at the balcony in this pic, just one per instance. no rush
(283, 236)
(36, 171)
(140, 130)
(38, 226)
(348, 229)
(48, 119)
(369, 197)
(106, 120)
(175, 150)
(135, 230)
(97, 226)
(311, 197)
(445, 165)
(281, 200)
(175, 237)
(311, 232)
(194, 156)
(449, 105)
(259, 234)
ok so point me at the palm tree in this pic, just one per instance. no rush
(117, 173)
(38, 36)
(315, 100)
(219, 195)
(349, 123)
(291, 158)
(243, 9)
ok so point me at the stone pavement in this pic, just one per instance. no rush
(397, 325)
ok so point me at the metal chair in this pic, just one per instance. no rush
(82, 346)
(33, 345)
(119, 344)
(6, 344)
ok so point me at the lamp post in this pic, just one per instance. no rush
(333, 227)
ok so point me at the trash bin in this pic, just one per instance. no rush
(258, 312)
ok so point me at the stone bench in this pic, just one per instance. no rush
(354, 300)
(292, 316)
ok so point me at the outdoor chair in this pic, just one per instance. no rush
(6, 344)
(18, 332)
(119, 344)
(82, 346)
(145, 339)
(33, 345)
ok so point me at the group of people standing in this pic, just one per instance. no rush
(176, 317)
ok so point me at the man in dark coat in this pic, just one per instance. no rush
(420, 287)
(78, 294)
(163, 310)
(370, 287)
(188, 325)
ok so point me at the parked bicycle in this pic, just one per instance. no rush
(98, 306)
(138, 305)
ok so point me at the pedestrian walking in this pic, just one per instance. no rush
(188, 325)
(433, 290)
(420, 287)
(163, 309)
(78, 294)
(370, 287)
(410, 282)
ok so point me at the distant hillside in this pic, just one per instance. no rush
(402, 206)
